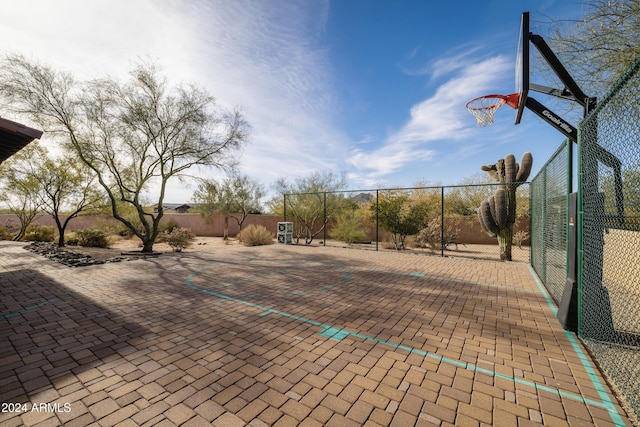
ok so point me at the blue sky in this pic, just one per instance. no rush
(374, 89)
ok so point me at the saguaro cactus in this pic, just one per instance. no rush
(497, 213)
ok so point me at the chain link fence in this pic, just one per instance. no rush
(609, 261)
(549, 201)
(435, 220)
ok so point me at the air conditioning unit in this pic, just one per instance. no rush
(285, 233)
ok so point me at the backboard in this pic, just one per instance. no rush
(522, 66)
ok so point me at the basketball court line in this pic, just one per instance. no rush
(332, 332)
(586, 364)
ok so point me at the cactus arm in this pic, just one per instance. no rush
(511, 206)
(486, 220)
(525, 167)
(501, 215)
(492, 206)
(500, 170)
(492, 171)
(510, 170)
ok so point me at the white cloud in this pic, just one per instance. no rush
(267, 58)
(264, 57)
(440, 117)
(98, 37)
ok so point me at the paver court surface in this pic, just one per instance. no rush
(288, 335)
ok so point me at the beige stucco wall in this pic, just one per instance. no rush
(469, 227)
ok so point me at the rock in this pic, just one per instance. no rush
(66, 257)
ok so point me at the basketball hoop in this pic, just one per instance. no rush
(484, 107)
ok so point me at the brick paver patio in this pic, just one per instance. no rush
(285, 335)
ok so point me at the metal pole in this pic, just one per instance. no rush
(285, 208)
(324, 230)
(377, 224)
(567, 195)
(442, 221)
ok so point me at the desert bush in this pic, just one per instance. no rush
(255, 235)
(348, 227)
(178, 238)
(72, 239)
(168, 226)
(93, 238)
(39, 233)
(431, 236)
(519, 237)
(5, 233)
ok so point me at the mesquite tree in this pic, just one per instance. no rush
(497, 213)
(134, 136)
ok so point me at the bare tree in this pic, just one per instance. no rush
(135, 136)
(20, 190)
(234, 197)
(599, 46)
(66, 188)
(311, 201)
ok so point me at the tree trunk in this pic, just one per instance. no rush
(226, 228)
(505, 240)
(147, 246)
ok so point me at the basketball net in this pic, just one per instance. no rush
(484, 107)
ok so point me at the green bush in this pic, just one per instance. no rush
(349, 228)
(168, 226)
(255, 235)
(71, 239)
(178, 238)
(5, 233)
(93, 238)
(39, 233)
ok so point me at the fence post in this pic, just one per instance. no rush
(442, 221)
(324, 230)
(377, 225)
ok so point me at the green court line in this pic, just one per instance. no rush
(333, 332)
(339, 334)
(586, 364)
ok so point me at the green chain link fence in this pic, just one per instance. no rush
(609, 249)
(549, 200)
(435, 220)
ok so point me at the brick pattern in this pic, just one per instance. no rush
(243, 336)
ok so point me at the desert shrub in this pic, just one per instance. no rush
(93, 238)
(39, 233)
(348, 228)
(519, 237)
(72, 239)
(178, 238)
(431, 236)
(168, 226)
(5, 233)
(255, 235)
